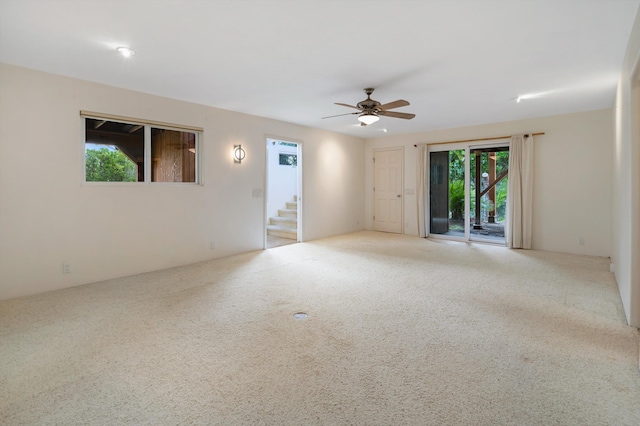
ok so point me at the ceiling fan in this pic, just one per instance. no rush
(370, 110)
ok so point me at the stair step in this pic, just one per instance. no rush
(287, 213)
(285, 222)
(292, 205)
(279, 231)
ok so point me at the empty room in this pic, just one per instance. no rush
(280, 212)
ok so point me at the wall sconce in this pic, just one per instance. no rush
(238, 154)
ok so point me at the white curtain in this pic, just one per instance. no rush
(520, 193)
(421, 185)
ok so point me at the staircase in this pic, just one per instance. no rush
(285, 225)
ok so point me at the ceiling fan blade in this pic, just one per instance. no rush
(393, 114)
(395, 104)
(350, 106)
(339, 115)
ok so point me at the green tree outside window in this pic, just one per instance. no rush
(106, 165)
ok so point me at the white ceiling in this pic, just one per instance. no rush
(458, 62)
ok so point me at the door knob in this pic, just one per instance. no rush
(399, 195)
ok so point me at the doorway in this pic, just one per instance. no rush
(387, 190)
(283, 193)
(468, 191)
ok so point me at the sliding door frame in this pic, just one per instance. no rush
(468, 148)
(498, 143)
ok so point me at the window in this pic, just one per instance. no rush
(288, 160)
(114, 152)
(174, 156)
(121, 151)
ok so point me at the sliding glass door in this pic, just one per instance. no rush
(489, 176)
(468, 191)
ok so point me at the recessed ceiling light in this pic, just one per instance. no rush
(126, 52)
(533, 95)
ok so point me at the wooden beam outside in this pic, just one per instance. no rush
(494, 183)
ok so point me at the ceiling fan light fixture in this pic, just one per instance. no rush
(368, 118)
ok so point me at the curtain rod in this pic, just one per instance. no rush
(101, 116)
(480, 139)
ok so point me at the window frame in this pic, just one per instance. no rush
(468, 147)
(148, 160)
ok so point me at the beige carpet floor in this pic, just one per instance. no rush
(400, 331)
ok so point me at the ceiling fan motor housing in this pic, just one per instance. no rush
(368, 105)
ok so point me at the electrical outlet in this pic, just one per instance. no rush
(66, 268)
(581, 241)
(213, 245)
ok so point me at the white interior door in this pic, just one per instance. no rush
(388, 172)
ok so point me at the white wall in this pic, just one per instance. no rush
(283, 180)
(626, 181)
(48, 216)
(572, 177)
